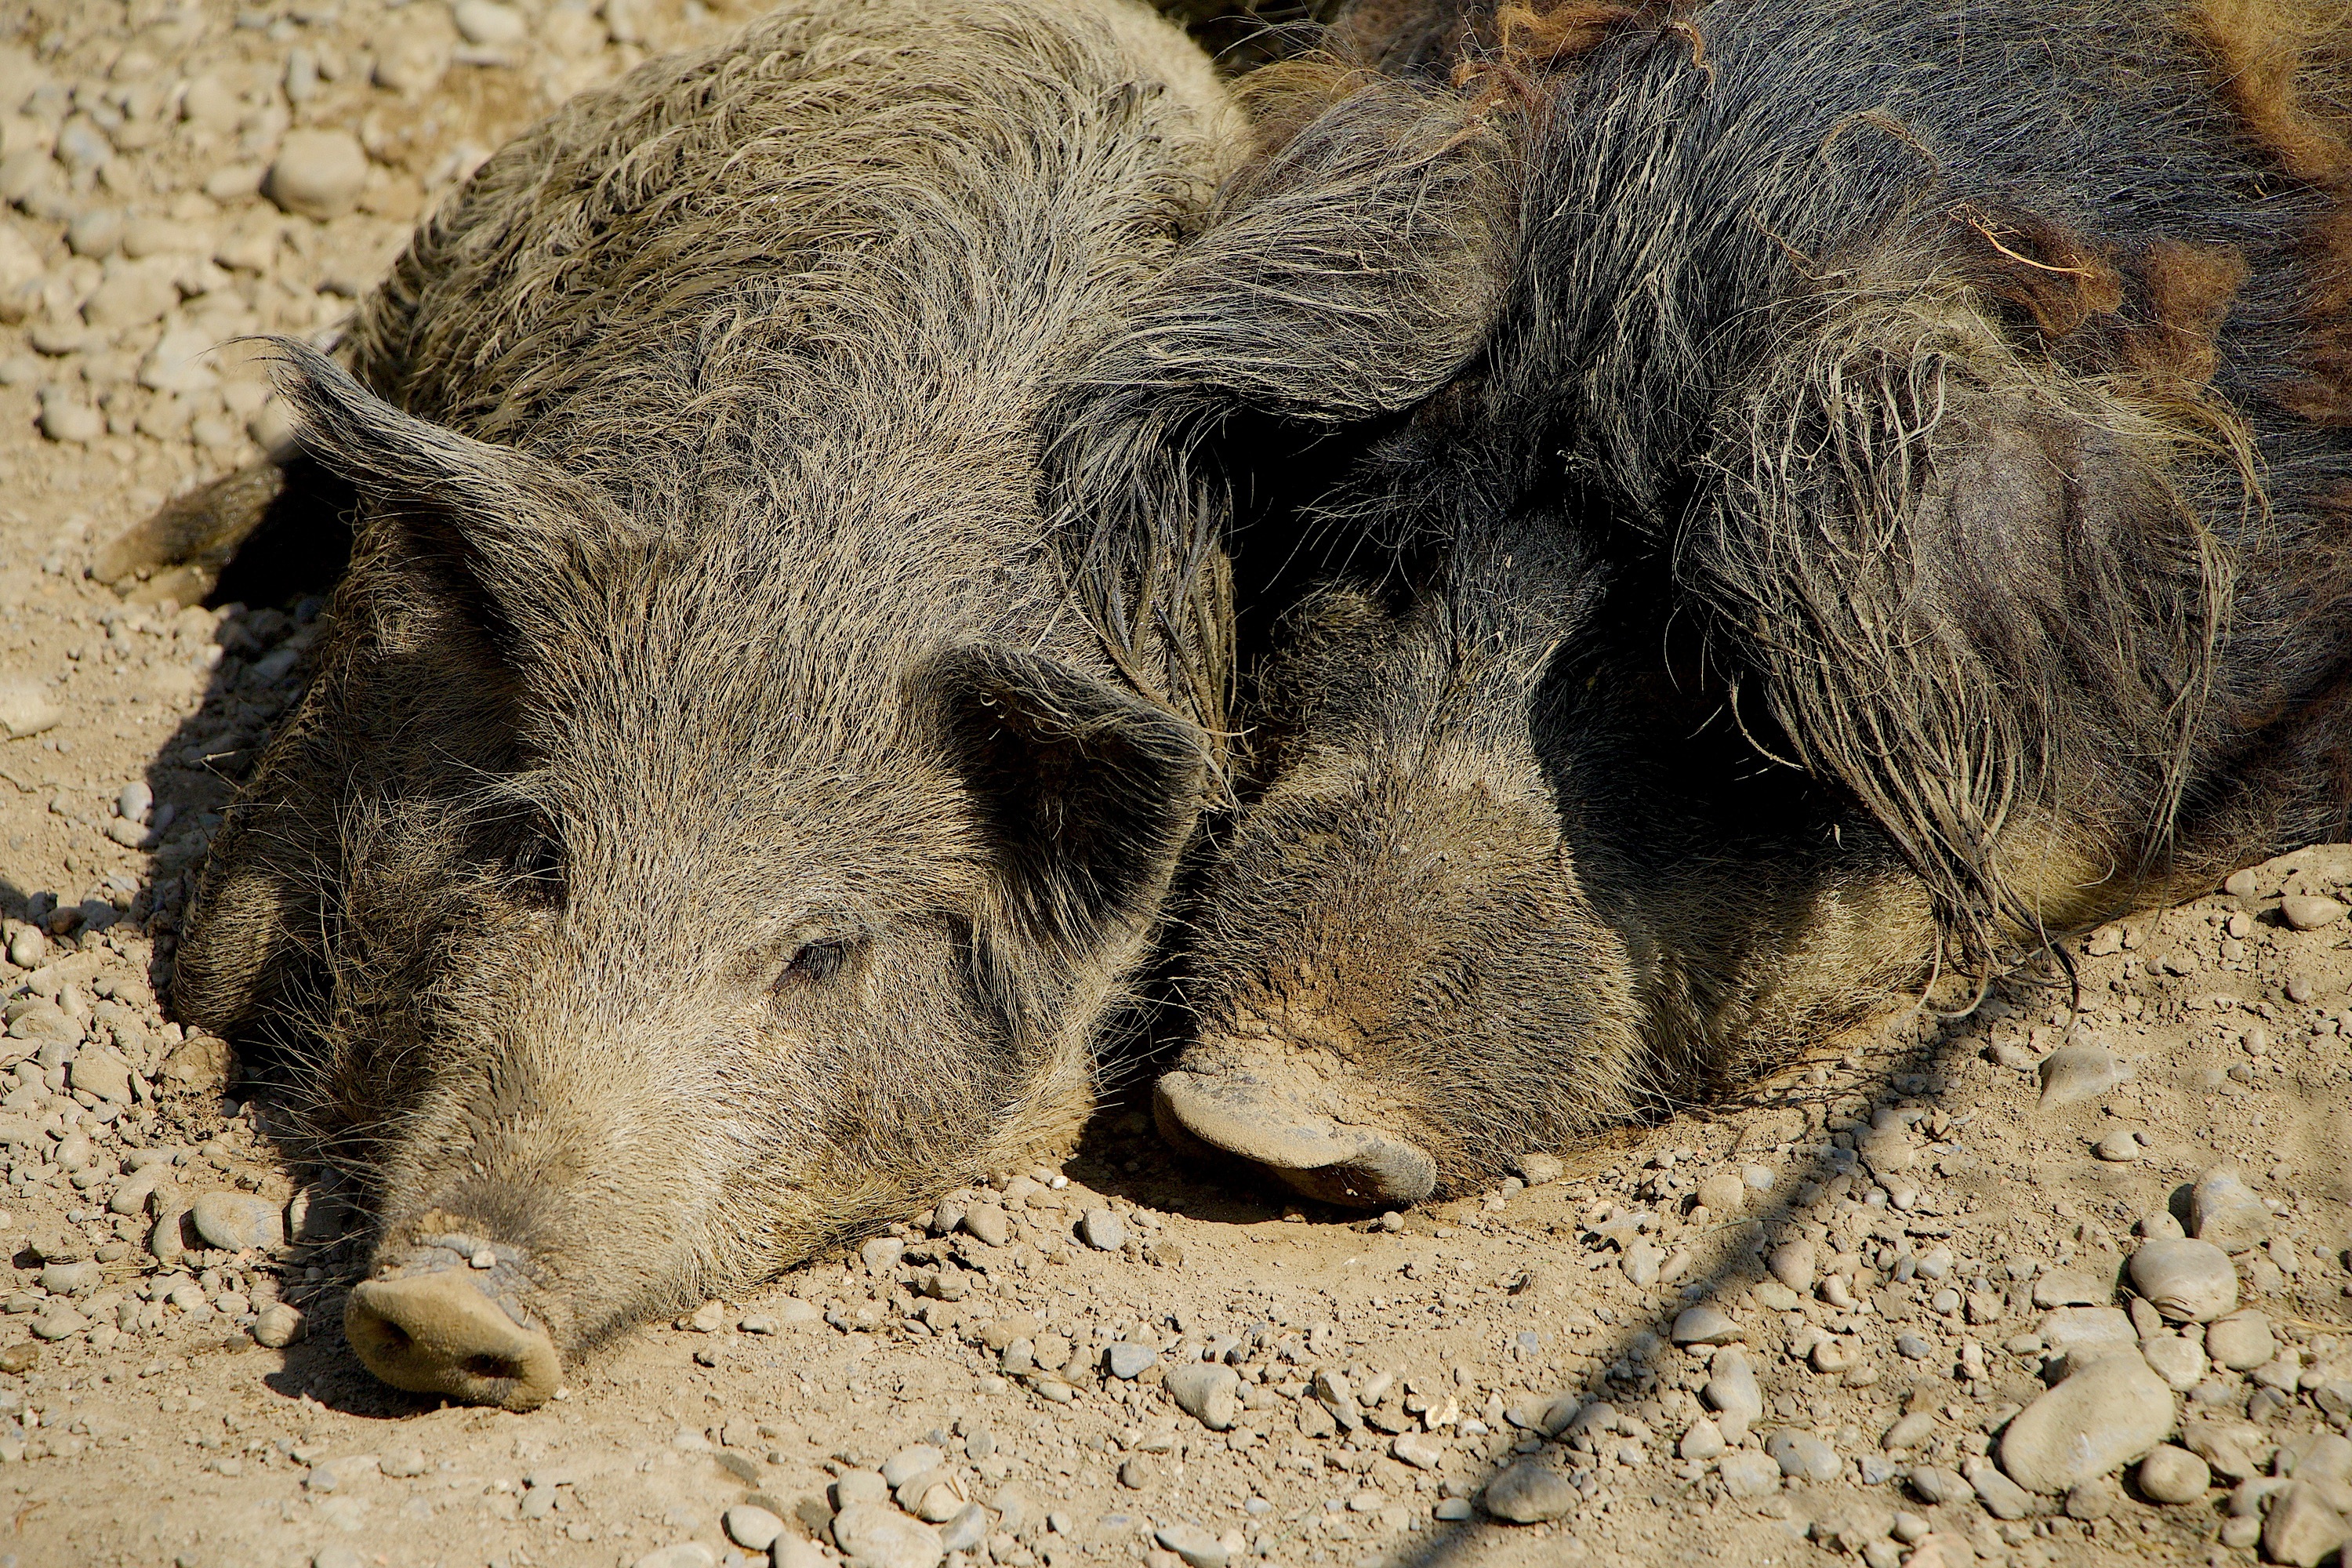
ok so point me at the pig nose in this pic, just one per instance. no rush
(438, 1332)
(1335, 1161)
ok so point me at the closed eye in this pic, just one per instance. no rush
(812, 963)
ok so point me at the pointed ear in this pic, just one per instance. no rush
(491, 525)
(1085, 793)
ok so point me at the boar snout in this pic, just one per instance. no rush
(439, 1325)
(1286, 1131)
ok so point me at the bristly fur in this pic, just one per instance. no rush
(714, 825)
(1901, 506)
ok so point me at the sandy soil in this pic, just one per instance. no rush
(1965, 1228)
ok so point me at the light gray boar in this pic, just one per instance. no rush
(746, 762)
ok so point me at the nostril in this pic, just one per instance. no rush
(491, 1368)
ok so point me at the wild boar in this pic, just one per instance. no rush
(745, 764)
(1901, 512)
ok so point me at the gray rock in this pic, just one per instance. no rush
(317, 173)
(236, 1221)
(2186, 1279)
(2173, 1474)
(907, 1463)
(752, 1527)
(1705, 1325)
(2114, 1411)
(1530, 1492)
(1803, 1457)
(2306, 912)
(965, 1529)
(1732, 1393)
(28, 949)
(1421, 1450)
(1909, 1432)
(881, 1254)
(1792, 1264)
(852, 1487)
(1723, 1193)
(792, 1552)
(1211, 1395)
(2081, 1334)
(1103, 1230)
(1195, 1545)
(69, 420)
(1748, 1473)
(2177, 1357)
(2002, 1498)
(988, 1224)
(1934, 1484)
(100, 1070)
(336, 1557)
(1332, 1388)
(2072, 1074)
(1702, 1440)
(2225, 1211)
(1129, 1360)
(885, 1538)
(2300, 1528)
(2240, 1342)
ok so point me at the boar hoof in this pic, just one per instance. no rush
(437, 1333)
(1354, 1167)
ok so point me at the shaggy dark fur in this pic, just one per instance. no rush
(1899, 513)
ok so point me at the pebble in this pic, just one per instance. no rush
(1748, 1473)
(907, 1463)
(67, 420)
(1935, 1484)
(2240, 1342)
(489, 24)
(2186, 1280)
(2174, 1475)
(988, 1224)
(2176, 1359)
(685, 1555)
(2225, 1211)
(1421, 1450)
(1209, 1394)
(965, 1529)
(2072, 1074)
(2300, 1528)
(796, 1552)
(2002, 1498)
(318, 173)
(2101, 1418)
(2308, 912)
(1536, 1169)
(1792, 1264)
(751, 1527)
(1195, 1545)
(1129, 1361)
(236, 1221)
(2120, 1147)
(2093, 1499)
(1103, 1230)
(1723, 1193)
(885, 1538)
(1732, 1393)
(881, 1254)
(2066, 1287)
(1703, 1439)
(1705, 1325)
(1803, 1457)
(1530, 1492)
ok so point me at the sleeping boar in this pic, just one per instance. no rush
(746, 762)
(1901, 511)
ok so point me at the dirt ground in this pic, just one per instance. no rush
(1965, 1223)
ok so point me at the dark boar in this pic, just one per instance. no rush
(1902, 511)
(722, 815)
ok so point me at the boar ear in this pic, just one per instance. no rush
(495, 525)
(1347, 275)
(1087, 794)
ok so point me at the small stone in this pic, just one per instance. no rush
(2174, 1475)
(101, 1071)
(25, 710)
(2177, 1357)
(1530, 1492)
(236, 1221)
(751, 1527)
(1103, 1230)
(1723, 1194)
(2306, 912)
(180, 363)
(1421, 1450)
(885, 1538)
(1803, 1457)
(1642, 1261)
(988, 1224)
(1732, 1393)
(318, 173)
(2072, 1074)
(2240, 1342)
(489, 24)
(2002, 1498)
(2064, 1287)
(2120, 1147)
(2225, 1211)
(965, 1529)
(2188, 1281)
(1702, 1439)
(1746, 1473)
(1195, 1545)
(1209, 1394)
(1535, 1168)
(881, 1255)
(2092, 1499)
(1139, 1473)
(1936, 1485)
(1332, 1390)
(1705, 1325)
(685, 1555)
(907, 1464)
(277, 1326)
(1887, 1151)
(1792, 1264)
(66, 420)
(2301, 1529)
(1129, 1360)
(794, 1551)
(2112, 1412)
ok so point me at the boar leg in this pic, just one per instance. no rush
(268, 530)
(1332, 1162)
